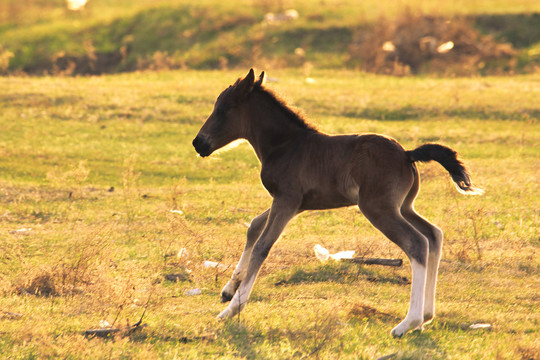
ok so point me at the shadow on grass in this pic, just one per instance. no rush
(408, 112)
(416, 113)
(244, 339)
(37, 100)
(338, 272)
(307, 335)
(426, 347)
(521, 30)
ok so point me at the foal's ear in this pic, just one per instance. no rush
(245, 85)
(262, 79)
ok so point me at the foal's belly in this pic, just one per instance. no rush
(316, 199)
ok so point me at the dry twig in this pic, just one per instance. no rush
(375, 261)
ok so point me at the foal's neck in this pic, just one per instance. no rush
(273, 125)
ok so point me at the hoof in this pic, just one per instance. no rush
(226, 297)
(397, 333)
(404, 327)
(225, 314)
(229, 290)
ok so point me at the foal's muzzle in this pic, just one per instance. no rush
(202, 146)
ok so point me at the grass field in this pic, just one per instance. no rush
(90, 169)
(107, 36)
(107, 216)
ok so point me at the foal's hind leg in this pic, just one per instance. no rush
(389, 221)
(435, 241)
(253, 233)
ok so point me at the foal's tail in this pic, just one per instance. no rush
(448, 158)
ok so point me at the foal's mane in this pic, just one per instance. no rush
(291, 114)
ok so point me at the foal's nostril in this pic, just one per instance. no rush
(201, 146)
(198, 142)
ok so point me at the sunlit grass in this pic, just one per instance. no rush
(90, 169)
(117, 35)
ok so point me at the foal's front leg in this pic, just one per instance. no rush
(253, 233)
(278, 217)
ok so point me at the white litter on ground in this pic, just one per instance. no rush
(480, 326)
(214, 264)
(323, 254)
(194, 292)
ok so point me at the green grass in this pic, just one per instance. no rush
(125, 35)
(94, 165)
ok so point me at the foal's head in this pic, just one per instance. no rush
(228, 121)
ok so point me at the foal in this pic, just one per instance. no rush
(304, 169)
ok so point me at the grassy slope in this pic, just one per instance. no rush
(212, 34)
(67, 141)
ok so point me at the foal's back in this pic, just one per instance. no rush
(330, 171)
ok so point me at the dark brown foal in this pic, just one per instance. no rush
(304, 169)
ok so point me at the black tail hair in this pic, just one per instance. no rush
(448, 158)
